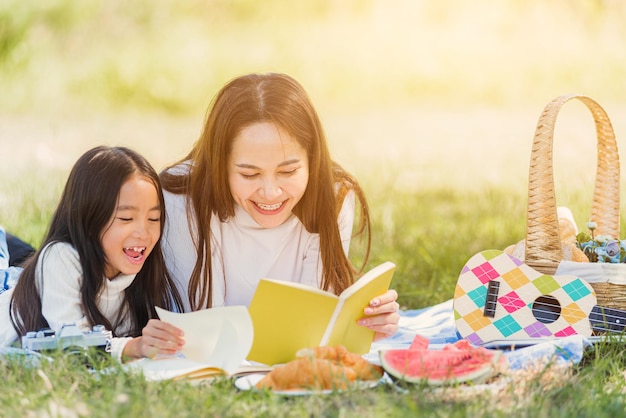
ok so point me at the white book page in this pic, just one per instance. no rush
(167, 367)
(217, 337)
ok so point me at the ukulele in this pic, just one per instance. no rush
(498, 297)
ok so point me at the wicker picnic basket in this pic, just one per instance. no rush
(543, 246)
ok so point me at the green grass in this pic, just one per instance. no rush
(429, 235)
(67, 387)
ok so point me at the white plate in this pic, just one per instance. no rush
(249, 383)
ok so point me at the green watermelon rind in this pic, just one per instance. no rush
(476, 376)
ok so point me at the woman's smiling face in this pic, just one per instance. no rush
(268, 171)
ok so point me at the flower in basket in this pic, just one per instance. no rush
(601, 249)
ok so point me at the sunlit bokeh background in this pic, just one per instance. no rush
(414, 94)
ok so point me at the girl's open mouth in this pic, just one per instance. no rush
(136, 253)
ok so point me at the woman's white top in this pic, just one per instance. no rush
(60, 296)
(243, 252)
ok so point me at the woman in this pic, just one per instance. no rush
(259, 196)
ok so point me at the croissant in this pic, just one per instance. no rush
(340, 355)
(308, 373)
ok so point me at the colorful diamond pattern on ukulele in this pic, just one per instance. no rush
(519, 286)
(458, 292)
(566, 332)
(507, 326)
(537, 330)
(546, 284)
(485, 272)
(572, 313)
(478, 295)
(516, 278)
(577, 289)
(476, 320)
(511, 302)
(474, 339)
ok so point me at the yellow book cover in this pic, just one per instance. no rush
(288, 316)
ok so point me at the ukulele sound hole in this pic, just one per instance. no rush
(546, 309)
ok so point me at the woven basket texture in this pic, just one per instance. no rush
(543, 245)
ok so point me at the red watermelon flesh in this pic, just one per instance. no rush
(419, 343)
(455, 363)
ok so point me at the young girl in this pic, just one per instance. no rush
(259, 196)
(100, 262)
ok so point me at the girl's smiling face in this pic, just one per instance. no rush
(268, 172)
(134, 229)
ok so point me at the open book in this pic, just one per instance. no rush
(217, 342)
(180, 368)
(288, 316)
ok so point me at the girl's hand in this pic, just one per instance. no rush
(157, 337)
(381, 315)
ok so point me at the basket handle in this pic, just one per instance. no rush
(543, 244)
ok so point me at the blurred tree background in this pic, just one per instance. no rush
(171, 56)
(94, 71)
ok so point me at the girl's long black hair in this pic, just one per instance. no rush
(85, 210)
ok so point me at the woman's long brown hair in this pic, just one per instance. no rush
(279, 99)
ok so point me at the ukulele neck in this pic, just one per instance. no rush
(607, 319)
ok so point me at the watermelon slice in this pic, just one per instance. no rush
(455, 363)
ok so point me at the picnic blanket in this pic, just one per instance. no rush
(437, 324)
(8, 274)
